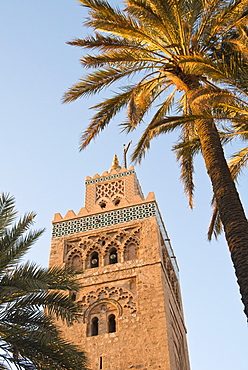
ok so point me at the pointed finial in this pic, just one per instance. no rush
(115, 163)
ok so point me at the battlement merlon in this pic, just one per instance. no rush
(71, 215)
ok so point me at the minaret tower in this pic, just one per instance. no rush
(132, 316)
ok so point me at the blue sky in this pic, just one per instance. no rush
(42, 168)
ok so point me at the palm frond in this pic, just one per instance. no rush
(23, 279)
(7, 211)
(238, 162)
(165, 108)
(227, 16)
(159, 17)
(215, 227)
(111, 20)
(14, 245)
(142, 98)
(203, 66)
(163, 126)
(56, 303)
(186, 148)
(205, 15)
(39, 344)
(106, 111)
(95, 82)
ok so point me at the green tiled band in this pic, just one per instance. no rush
(100, 220)
(109, 177)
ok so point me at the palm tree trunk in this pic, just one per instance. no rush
(229, 205)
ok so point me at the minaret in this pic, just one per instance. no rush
(132, 316)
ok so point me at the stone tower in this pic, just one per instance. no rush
(132, 315)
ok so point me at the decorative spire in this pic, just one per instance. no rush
(115, 163)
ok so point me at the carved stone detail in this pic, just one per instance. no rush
(102, 243)
(118, 294)
(110, 190)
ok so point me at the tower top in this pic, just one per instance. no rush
(117, 187)
(112, 198)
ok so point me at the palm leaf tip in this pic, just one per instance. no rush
(7, 210)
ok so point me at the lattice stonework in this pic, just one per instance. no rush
(109, 190)
(100, 220)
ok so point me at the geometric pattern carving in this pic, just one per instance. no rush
(123, 297)
(110, 190)
(109, 177)
(104, 219)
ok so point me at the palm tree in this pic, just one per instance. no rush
(29, 338)
(178, 51)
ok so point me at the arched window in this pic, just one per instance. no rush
(94, 261)
(111, 324)
(113, 256)
(117, 201)
(76, 262)
(102, 318)
(102, 204)
(94, 326)
(130, 252)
